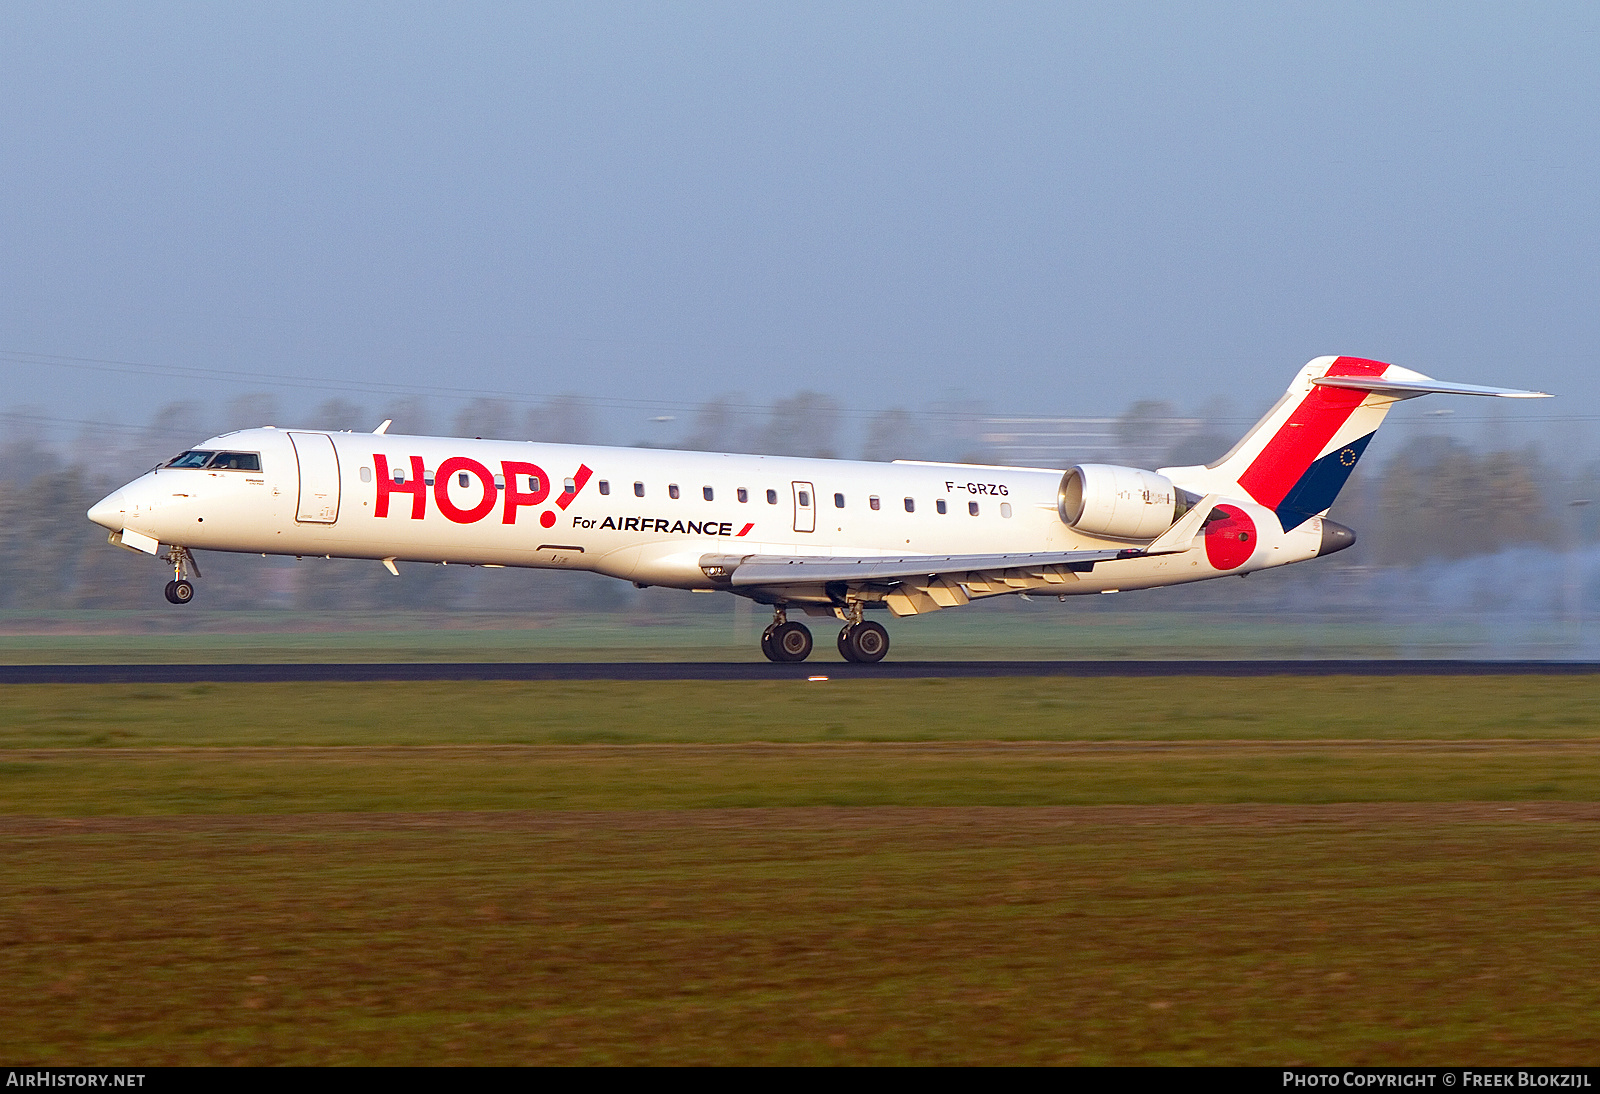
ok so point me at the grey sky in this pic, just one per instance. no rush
(1053, 208)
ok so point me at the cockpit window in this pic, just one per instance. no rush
(218, 461)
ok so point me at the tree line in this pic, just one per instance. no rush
(1435, 497)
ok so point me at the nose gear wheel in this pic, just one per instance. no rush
(180, 590)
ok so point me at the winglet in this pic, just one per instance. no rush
(1180, 537)
(384, 428)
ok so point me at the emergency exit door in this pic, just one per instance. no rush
(805, 507)
(319, 478)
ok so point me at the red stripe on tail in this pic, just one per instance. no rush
(1291, 451)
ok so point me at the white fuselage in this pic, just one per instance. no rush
(643, 515)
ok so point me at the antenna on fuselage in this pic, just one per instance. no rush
(384, 428)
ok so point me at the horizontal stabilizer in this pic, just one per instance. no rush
(1410, 389)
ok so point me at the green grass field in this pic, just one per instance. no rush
(1042, 630)
(1265, 871)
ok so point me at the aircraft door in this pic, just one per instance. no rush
(319, 478)
(805, 507)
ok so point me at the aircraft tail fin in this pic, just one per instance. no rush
(1298, 457)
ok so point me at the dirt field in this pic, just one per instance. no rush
(1276, 888)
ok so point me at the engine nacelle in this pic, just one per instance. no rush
(1120, 502)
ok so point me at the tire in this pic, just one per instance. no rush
(844, 645)
(171, 596)
(791, 642)
(181, 592)
(864, 643)
(766, 643)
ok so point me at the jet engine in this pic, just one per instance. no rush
(1119, 502)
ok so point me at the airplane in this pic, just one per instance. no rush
(828, 537)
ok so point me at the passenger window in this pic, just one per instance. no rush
(772, 497)
(570, 486)
(499, 482)
(638, 489)
(706, 490)
(399, 475)
(366, 474)
(872, 502)
(462, 479)
(672, 491)
(972, 508)
(939, 505)
(838, 501)
(743, 495)
(805, 499)
(911, 506)
(605, 487)
(1005, 510)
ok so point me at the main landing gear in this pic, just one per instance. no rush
(864, 643)
(180, 590)
(785, 641)
(860, 641)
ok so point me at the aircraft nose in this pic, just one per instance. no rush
(109, 511)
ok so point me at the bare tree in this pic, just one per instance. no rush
(803, 424)
(485, 417)
(336, 413)
(719, 426)
(564, 419)
(250, 410)
(892, 435)
(1440, 499)
(410, 415)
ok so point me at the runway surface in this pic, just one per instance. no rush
(833, 670)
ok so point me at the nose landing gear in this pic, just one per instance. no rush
(180, 590)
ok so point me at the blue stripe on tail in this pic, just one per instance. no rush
(1321, 483)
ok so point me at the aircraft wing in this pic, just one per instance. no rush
(814, 569)
(924, 583)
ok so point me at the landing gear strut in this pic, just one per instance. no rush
(180, 590)
(785, 641)
(862, 642)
